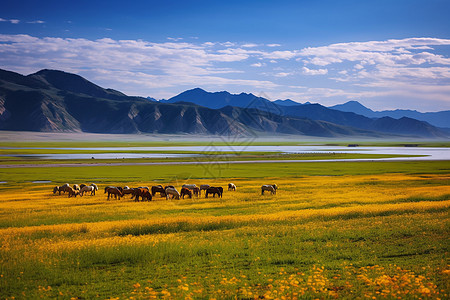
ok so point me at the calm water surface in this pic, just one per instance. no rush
(427, 152)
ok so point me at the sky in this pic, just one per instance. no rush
(385, 54)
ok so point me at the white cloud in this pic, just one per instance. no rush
(249, 45)
(283, 74)
(138, 67)
(36, 22)
(12, 21)
(307, 71)
(133, 66)
(286, 55)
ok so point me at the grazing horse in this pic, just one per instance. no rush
(87, 188)
(127, 191)
(63, 188)
(56, 189)
(231, 187)
(196, 191)
(172, 191)
(189, 186)
(269, 187)
(143, 193)
(214, 190)
(158, 189)
(147, 195)
(114, 191)
(185, 191)
(76, 187)
(95, 186)
(109, 186)
(203, 187)
(72, 192)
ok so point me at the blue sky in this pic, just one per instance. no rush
(385, 54)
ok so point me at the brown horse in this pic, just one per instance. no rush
(72, 192)
(185, 191)
(158, 189)
(203, 187)
(128, 191)
(114, 191)
(143, 193)
(196, 191)
(214, 190)
(63, 188)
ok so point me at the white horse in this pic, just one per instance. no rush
(231, 186)
(172, 191)
(189, 186)
(87, 188)
(269, 187)
(95, 186)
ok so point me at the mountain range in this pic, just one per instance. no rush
(438, 119)
(56, 101)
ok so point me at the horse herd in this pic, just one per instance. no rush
(146, 194)
(76, 189)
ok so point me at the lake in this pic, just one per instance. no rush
(427, 153)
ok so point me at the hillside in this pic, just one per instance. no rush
(310, 111)
(439, 119)
(56, 101)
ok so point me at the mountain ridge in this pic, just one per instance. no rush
(52, 100)
(438, 119)
(313, 111)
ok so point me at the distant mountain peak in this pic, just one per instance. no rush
(287, 102)
(52, 100)
(355, 107)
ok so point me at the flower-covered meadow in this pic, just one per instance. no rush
(382, 236)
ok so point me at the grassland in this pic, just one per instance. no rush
(334, 230)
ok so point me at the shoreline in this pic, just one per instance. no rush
(394, 159)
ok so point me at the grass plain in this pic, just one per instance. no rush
(367, 230)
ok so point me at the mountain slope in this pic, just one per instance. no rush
(439, 119)
(75, 84)
(217, 99)
(311, 111)
(57, 101)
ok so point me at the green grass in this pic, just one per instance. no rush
(346, 229)
(260, 258)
